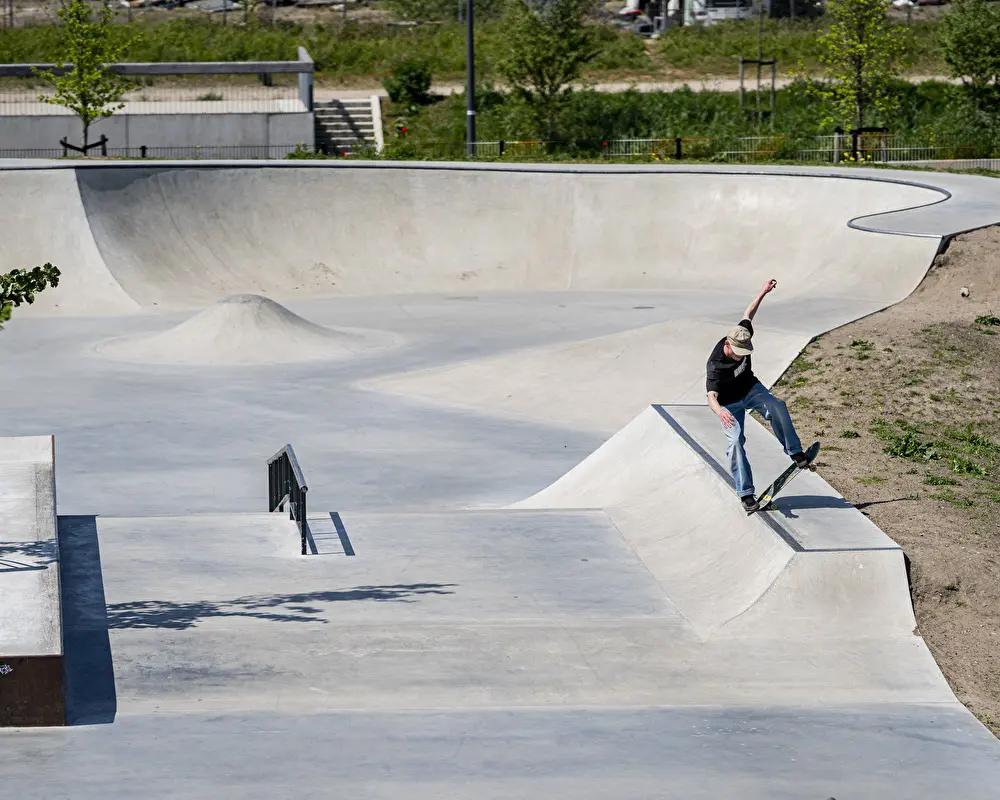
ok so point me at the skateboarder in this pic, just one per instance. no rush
(733, 389)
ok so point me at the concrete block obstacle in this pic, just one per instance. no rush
(31, 639)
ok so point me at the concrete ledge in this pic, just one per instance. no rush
(810, 514)
(31, 640)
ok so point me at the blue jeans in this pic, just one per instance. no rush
(775, 411)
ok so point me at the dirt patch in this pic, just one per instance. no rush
(907, 405)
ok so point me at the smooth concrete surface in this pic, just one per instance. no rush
(633, 754)
(524, 579)
(30, 623)
(135, 127)
(245, 329)
(831, 522)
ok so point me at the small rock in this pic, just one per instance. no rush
(965, 291)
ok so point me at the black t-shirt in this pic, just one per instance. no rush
(731, 379)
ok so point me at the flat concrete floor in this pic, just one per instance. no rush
(152, 439)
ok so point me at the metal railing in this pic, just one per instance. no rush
(187, 87)
(286, 484)
(891, 149)
(183, 153)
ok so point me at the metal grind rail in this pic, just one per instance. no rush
(286, 484)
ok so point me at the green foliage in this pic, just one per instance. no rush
(970, 45)
(939, 480)
(965, 466)
(968, 440)
(88, 88)
(716, 48)
(21, 285)
(410, 82)
(370, 49)
(546, 48)
(585, 118)
(862, 349)
(988, 319)
(619, 51)
(862, 53)
(303, 151)
(850, 434)
(903, 441)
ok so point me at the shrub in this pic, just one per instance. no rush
(410, 82)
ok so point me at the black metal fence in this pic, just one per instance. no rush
(285, 484)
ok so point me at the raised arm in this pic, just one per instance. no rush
(768, 287)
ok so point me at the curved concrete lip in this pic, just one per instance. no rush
(245, 330)
(971, 199)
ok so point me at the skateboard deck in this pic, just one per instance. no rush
(785, 478)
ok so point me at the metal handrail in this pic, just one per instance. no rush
(286, 484)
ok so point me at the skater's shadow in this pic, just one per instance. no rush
(788, 506)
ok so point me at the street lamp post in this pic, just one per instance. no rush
(470, 85)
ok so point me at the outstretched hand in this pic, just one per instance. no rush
(769, 286)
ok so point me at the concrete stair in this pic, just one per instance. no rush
(343, 125)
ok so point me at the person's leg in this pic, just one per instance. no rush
(776, 412)
(739, 466)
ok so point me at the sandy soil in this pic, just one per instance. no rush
(907, 404)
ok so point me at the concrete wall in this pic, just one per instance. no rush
(216, 134)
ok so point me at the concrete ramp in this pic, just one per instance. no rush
(775, 574)
(182, 235)
(44, 221)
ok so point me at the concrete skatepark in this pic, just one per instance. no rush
(528, 576)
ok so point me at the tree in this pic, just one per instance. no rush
(970, 43)
(863, 53)
(546, 46)
(82, 80)
(21, 285)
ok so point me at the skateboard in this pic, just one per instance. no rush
(785, 478)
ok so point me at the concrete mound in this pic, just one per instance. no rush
(245, 329)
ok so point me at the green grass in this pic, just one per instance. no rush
(948, 496)
(939, 480)
(902, 440)
(356, 50)
(988, 319)
(965, 466)
(369, 48)
(870, 480)
(849, 434)
(715, 48)
(862, 349)
(968, 440)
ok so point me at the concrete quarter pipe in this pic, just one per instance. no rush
(528, 575)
